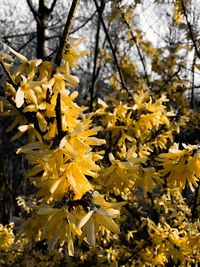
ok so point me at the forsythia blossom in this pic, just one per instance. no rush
(59, 150)
(6, 237)
(181, 165)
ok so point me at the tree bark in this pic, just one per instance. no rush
(42, 17)
(42, 30)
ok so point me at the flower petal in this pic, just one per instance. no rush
(19, 98)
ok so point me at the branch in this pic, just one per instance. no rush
(112, 48)
(190, 29)
(170, 78)
(95, 63)
(36, 15)
(59, 115)
(84, 23)
(66, 32)
(52, 6)
(193, 81)
(18, 35)
(137, 47)
(24, 45)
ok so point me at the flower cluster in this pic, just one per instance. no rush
(6, 237)
(63, 164)
(180, 166)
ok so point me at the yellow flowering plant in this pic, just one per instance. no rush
(63, 165)
(112, 187)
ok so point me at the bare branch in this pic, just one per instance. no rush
(112, 48)
(66, 32)
(18, 35)
(52, 6)
(29, 41)
(59, 115)
(137, 47)
(33, 10)
(170, 79)
(193, 81)
(84, 23)
(190, 29)
(95, 63)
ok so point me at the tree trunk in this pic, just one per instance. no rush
(42, 29)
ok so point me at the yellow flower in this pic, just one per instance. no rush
(148, 179)
(194, 164)
(160, 259)
(71, 54)
(6, 237)
(180, 166)
(26, 91)
(27, 68)
(102, 213)
(121, 173)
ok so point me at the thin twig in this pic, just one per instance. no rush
(137, 47)
(24, 45)
(66, 32)
(193, 81)
(18, 35)
(84, 23)
(35, 13)
(59, 115)
(95, 64)
(170, 78)
(112, 48)
(52, 6)
(190, 29)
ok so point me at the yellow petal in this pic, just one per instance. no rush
(45, 209)
(108, 212)
(55, 186)
(30, 108)
(72, 80)
(31, 96)
(22, 58)
(23, 128)
(35, 62)
(91, 232)
(42, 122)
(85, 219)
(19, 98)
(5, 56)
(107, 222)
(70, 242)
(102, 103)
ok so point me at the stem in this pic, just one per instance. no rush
(137, 47)
(112, 49)
(59, 116)
(193, 81)
(95, 65)
(169, 79)
(66, 31)
(190, 29)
